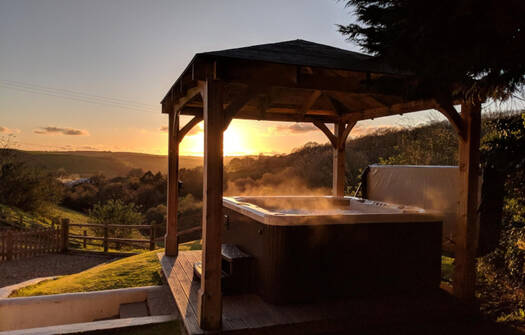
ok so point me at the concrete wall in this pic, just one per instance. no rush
(42, 311)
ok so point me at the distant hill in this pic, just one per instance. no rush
(111, 164)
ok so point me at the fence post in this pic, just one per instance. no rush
(105, 237)
(9, 246)
(152, 237)
(65, 235)
(85, 234)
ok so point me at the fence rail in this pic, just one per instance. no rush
(22, 244)
(106, 239)
(16, 244)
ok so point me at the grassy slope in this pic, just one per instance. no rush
(10, 218)
(140, 270)
(43, 220)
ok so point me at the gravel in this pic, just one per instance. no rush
(13, 272)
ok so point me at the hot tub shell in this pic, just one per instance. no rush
(356, 248)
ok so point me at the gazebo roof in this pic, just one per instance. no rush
(295, 81)
(306, 53)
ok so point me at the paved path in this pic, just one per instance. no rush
(13, 272)
(6, 290)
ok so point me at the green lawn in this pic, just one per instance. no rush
(139, 270)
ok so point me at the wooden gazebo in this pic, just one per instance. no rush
(300, 81)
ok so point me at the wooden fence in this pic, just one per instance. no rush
(22, 244)
(105, 229)
(16, 244)
(147, 230)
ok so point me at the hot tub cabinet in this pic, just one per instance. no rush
(311, 248)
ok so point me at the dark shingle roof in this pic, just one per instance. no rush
(305, 53)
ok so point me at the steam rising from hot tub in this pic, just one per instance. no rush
(285, 182)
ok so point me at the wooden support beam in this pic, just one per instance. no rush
(338, 175)
(268, 114)
(467, 232)
(348, 128)
(308, 103)
(170, 240)
(331, 137)
(210, 296)
(187, 127)
(341, 131)
(229, 112)
(450, 112)
(401, 108)
(338, 141)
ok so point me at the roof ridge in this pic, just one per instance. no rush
(286, 42)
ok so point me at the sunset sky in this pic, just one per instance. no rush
(89, 75)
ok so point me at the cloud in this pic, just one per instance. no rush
(51, 130)
(5, 130)
(193, 131)
(297, 128)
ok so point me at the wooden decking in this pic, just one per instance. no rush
(250, 314)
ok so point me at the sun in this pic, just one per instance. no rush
(237, 141)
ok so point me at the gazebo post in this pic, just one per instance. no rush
(338, 176)
(210, 298)
(338, 141)
(170, 239)
(468, 221)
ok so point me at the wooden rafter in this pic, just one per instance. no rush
(341, 107)
(190, 94)
(229, 112)
(401, 108)
(187, 127)
(308, 103)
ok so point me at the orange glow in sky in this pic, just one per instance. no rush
(237, 142)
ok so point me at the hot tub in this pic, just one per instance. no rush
(308, 248)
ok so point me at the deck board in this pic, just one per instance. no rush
(249, 314)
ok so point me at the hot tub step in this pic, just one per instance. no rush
(197, 271)
(237, 271)
(231, 252)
